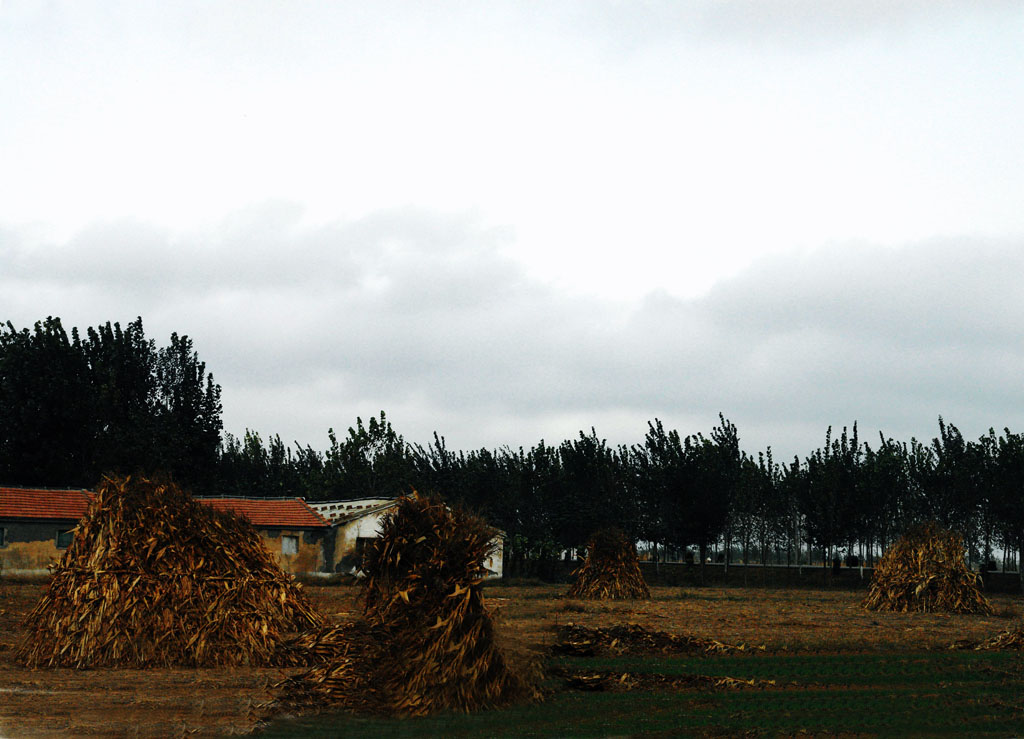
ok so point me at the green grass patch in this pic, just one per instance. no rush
(876, 669)
(926, 693)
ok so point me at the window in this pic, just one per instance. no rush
(289, 545)
(64, 537)
(3, 537)
(362, 542)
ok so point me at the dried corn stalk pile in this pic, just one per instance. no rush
(154, 578)
(610, 571)
(431, 639)
(1011, 639)
(926, 571)
(345, 658)
(623, 682)
(583, 641)
(318, 646)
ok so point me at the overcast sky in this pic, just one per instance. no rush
(507, 221)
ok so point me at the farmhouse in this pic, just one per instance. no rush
(305, 538)
(35, 526)
(354, 523)
(299, 539)
(357, 522)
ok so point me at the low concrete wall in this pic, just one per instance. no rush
(754, 576)
(782, 576)
(767, 576)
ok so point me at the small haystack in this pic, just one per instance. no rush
(427, 644)
(155, 578)
(610, 571)
(926, 571)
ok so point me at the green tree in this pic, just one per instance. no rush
(122, 368)
(1008, 493)
(884, 494)
(759, 514)
(665, 476)
(951, 484)
(372, 461)
(830, 500)
(591, 494)
(73, 409)
(187, 415)
(716, 465)
(47, 414)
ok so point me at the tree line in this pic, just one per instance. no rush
(73, 408)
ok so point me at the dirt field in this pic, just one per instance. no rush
(212, 702)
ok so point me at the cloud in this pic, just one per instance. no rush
(422, 314)
(790, 25)
(892, 337)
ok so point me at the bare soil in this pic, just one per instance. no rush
(215, 702)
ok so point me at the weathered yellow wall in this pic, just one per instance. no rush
(310, 555)
(31, 545)
(29, 555)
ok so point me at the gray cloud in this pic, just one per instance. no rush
(421, 315)
(794, 24)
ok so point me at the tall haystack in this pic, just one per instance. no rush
(427, 642)
(424, 578)
(610, 571)
(154, 578)
(926, 571)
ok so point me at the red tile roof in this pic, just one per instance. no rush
(270, 513)
(71, 505)
(63, 505)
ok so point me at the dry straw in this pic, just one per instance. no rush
(343, 674)
(1009, 640)
(610, 571)
(578, 640)
(926, 571)
(427, 642)
(154, 578)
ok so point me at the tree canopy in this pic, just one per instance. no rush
(74, 409)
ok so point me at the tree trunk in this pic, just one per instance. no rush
(746, 559)
(703, 558)
(1020, 566)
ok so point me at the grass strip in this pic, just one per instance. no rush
(927, 693)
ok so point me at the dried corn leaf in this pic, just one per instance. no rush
(583, 641)
(610, 571)
(154, 578)
(427, 641)
(926, 571)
